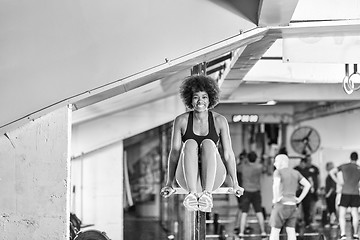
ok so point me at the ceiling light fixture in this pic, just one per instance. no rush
(269, 103)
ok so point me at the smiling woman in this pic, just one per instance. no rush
(194, 160)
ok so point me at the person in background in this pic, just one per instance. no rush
(240, 161)
(330, 194)
(194, 159)
(306, 202)
(314, 180)
(251, 176)
(285, 184)
(349, 194)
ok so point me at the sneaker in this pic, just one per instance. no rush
(191, 202)
(263, 235)
(205, 202)
(356, 237)
(343, 237)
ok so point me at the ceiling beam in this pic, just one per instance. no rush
(317, 29)
(247, 9)
(285, 92)
(325, 110)
(276, 12)
(247, 59)
(170, 67)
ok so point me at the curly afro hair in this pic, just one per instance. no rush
(197, 83)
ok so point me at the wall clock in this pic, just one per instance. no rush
(305, 140)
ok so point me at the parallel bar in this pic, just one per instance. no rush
(222, 190)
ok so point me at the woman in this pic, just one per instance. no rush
(194, 159)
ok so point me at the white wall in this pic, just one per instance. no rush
(98, 198)
(339, 135)
(98, 145)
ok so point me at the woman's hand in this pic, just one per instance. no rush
(167, 191)
(238, 191)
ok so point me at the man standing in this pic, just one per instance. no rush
(330, 193)
(314, 181)
(349, 194)
(285, 183)
(306, 203)
(251, 176)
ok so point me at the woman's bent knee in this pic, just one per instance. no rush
(190, 146)
(208, 145)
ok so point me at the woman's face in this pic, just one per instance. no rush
(200, 101)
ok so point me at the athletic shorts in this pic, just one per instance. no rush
(347, 200)
(283, 216)
(240, 202)
(253, 198)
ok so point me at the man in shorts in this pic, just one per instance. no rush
(285, 183)
(251, 175)
(349, 194)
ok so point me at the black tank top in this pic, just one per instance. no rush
(189, 133)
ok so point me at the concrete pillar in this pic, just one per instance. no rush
(34, 177)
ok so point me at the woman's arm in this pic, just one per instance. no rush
(174, 153)
(229, 155)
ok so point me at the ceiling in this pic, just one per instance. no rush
(260, 64)
(290, 51)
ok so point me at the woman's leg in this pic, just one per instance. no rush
(190, 164)
(208, 164)
(213, 173)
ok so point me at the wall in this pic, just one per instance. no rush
(98, 145)
(98, 197)
(143, 168)
(34, 179)
(339, 135)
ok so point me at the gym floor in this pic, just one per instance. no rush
(136, 228)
